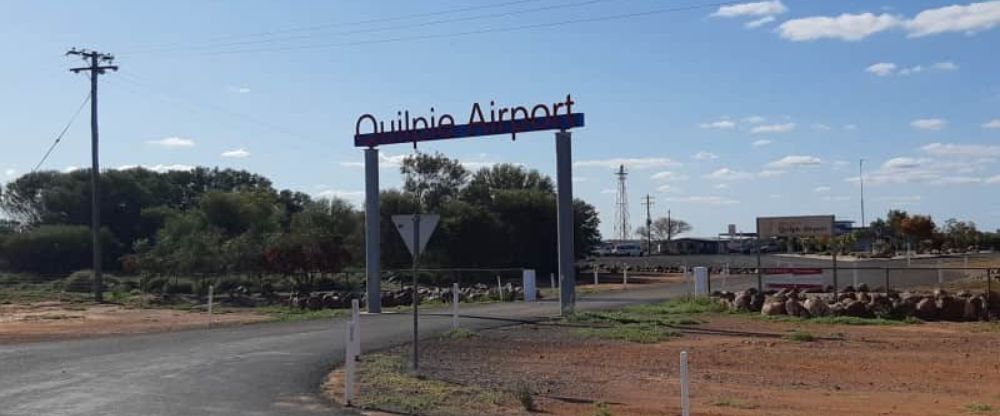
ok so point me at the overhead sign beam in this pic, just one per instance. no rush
(512, 127)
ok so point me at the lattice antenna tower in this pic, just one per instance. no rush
(622, 227)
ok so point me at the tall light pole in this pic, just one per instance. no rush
(861, 180)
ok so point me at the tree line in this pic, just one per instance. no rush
(223, 222)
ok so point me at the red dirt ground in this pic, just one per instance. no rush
(739, 365)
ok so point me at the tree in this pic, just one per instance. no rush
(487, 182)
(435, 178)
(663, 229)
(917, 228)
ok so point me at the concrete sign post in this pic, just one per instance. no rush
(373, 252)
(564, 214)
(530, 287)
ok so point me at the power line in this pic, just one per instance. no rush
(391, 28)
(358, 22)
(621, 16)
(63, 132)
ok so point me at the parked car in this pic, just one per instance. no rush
(627, 250)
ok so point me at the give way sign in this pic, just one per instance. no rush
(404, 224)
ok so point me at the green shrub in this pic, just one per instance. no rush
(82, 281)
(179, 287)
(55, 249)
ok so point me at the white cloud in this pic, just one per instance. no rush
(703, 155)
(795, 161)
(967, 169)
(753, 24)
(773, 128)
(820, 127)
(911, 70)
(753, 119)
(849, 27)
(962, 150)
(882, 69)
(668, 176)
(969, 19)
(993, 180)
(928, 124)
(341, 194)
(704, 200)
(155, 168)
(822, 189)
(173, 142)
(629, 163)
(718, 124)
(668, 188)
(755, 9)
(10, 172)
(762, 142)
(902, 163)
(71, 168)
(836, 198)
(721, 186)
(384, 161)
(236, 153)
(771, 173)
(992, 124)
(850, 127)
(727, 174)
(945, 66)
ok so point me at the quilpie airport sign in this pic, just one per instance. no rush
(370, 131)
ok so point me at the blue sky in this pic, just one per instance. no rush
(722, 113)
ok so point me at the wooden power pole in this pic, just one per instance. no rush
(97, 63)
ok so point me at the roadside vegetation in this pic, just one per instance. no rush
(646, 323)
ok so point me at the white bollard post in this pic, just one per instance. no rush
(855, 273)
(725, 275)
(499, 288)
(625, 276)
(940, 273)
(552, 280)
(349, 363)
(356, 317)
(210, 299)
(965, 265)
(685, 404)
(595, 276)
(454, 306)
(909, 254)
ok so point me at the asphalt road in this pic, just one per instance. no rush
(261, 369)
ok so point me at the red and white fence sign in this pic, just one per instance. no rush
(793, 278)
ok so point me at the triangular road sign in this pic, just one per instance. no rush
(404, 224)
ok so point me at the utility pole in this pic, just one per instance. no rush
(649, 224)
(670, 227)
(95, 60)
(622, 227)
(861, 180)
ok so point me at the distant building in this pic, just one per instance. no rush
(695, 245)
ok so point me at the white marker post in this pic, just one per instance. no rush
(685, 403)
(625, 276)
(940, 273)
(552, 280)
(595, 275)
(855, 273)
(725, 275)
(349, 363)
(210, 299)
(965, 265)
(499, 288)
(454, 306)
(356, 317)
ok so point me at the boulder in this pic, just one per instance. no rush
(880, 307)
(975, 309)
(816, 307)
(742, 302)
(837, 309)
(863, 297)
(854, 308)
(846, 296)
(940, 293)
(926, 309)
(863, 288)
(951, 308)
(848, 289)
(794, 308)
(773, 308)
(314, 303)
(902, 309)
(756, 302)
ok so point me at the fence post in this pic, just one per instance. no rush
(356, 317)
(886, 280)
(552, 280)
(454, 306)
(349, 364)
(595, 275)
(854, 273)
(685, 404)
(625, 275)
(210, 299)
(940, 273)
(499, 288)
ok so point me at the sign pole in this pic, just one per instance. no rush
(564, 210)
(416, 259)
(372, 232)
